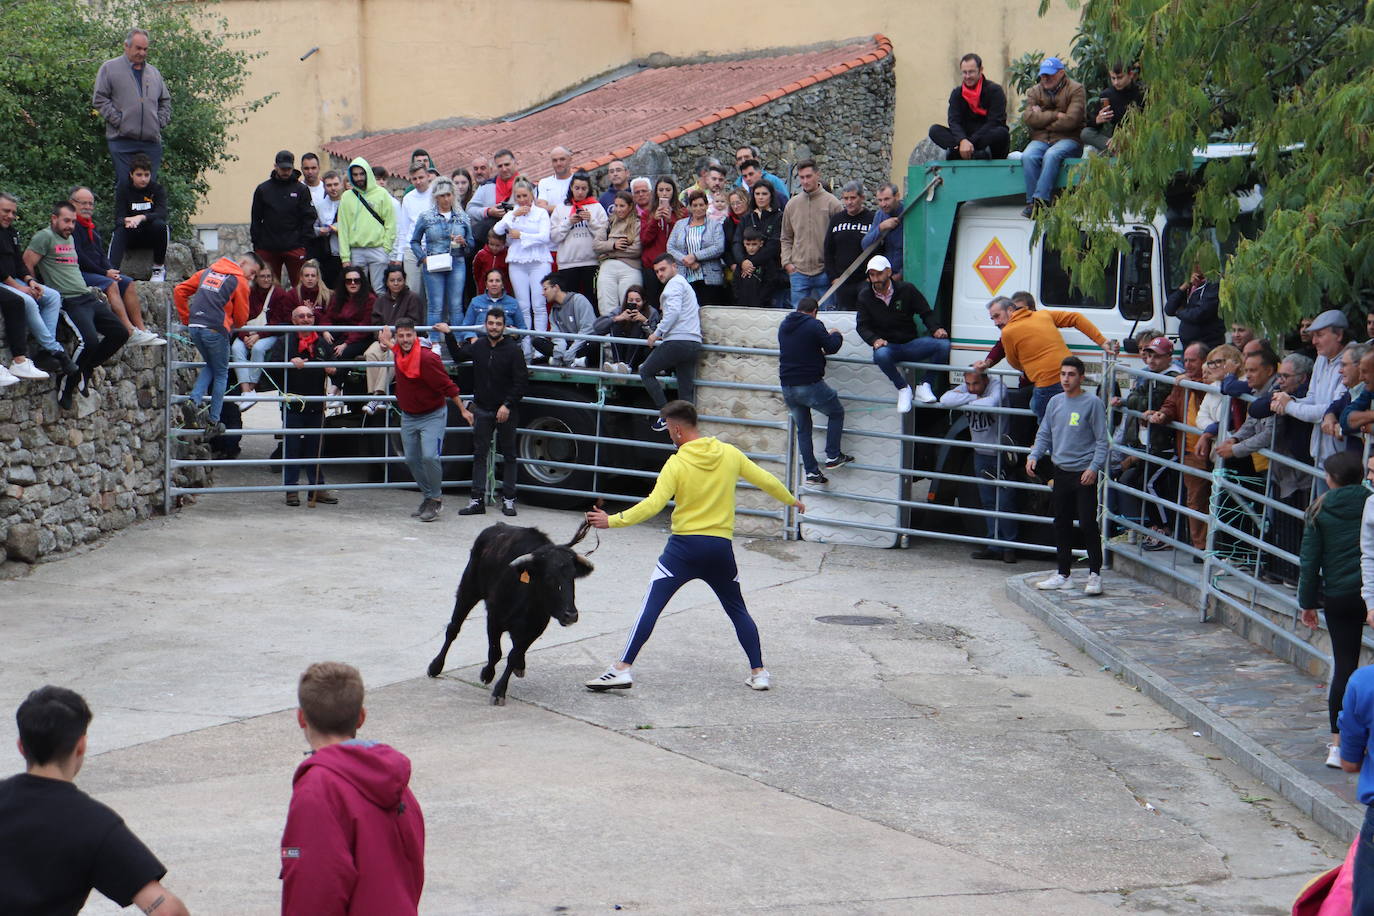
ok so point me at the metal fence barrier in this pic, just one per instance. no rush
(1250, 557)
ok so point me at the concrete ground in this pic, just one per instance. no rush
(953, 757)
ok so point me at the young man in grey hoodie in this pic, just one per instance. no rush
(677, 340)
(1074, 431)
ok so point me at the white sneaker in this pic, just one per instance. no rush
(1333, 756)
(924, 394)
(141, 338)
(158, 275)
(27, 370)
(154, 340)
(7, 378)
(1094, 586)
(758, 681)
(612, 680)
(618, 368)
(580, 363)
(904, 400)
(1055, 581)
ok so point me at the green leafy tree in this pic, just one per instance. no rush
(1295, 81)
(55, 139)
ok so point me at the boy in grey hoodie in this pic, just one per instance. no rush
(1074, 431)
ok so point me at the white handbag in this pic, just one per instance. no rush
(438, 263)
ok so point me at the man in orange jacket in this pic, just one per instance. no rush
(213, 303)
(1033, 343)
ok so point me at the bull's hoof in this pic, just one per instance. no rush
(486, 674)
(498, 701)
(518, 672)
(435, 669)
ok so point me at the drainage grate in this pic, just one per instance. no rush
(853, 620)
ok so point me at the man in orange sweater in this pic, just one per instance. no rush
(1033, 344)
(213, 303)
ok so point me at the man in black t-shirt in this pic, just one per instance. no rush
(56, 842)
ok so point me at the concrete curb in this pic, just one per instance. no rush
(1326, 808)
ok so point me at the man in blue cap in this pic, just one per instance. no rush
(1055, 109)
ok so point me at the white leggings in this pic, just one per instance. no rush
(529, 292)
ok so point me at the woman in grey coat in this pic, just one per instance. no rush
(697, 244)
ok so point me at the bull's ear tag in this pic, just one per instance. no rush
(525, 577)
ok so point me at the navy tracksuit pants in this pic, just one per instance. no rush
(696, 556)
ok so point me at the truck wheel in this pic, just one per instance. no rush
(534, 449)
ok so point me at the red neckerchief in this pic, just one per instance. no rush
(408, 364)
(89, 225)
(971, 96)
(305, 343)
(503, 188)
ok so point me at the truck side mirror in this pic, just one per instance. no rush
(1135, 296)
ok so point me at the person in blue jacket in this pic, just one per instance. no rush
(804, 344)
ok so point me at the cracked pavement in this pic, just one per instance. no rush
(954, 756)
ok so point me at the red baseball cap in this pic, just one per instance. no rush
(1161, 345)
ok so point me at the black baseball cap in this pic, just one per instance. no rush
(286, 157)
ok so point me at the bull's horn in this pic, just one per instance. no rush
(520, 560)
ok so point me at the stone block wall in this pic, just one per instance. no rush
(844, 123)
(69, 478)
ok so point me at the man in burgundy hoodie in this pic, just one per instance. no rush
(354, 842)
(423, 392)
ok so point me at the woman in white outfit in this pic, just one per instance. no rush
(619, 247)
(527, 230)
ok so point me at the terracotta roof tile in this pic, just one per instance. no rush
(611, 121)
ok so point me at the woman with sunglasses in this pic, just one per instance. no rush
(350, 306)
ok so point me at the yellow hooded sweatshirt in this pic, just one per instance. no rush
(701, 476)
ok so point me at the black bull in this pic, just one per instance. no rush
(525, 579)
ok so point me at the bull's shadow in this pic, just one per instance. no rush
(525, 580)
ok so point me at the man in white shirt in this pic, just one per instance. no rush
(324, 247)
(1328, 332)
(553, 189)
(417, 200)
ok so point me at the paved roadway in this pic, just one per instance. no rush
(955, 758)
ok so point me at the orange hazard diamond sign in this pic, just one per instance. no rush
(993, 266)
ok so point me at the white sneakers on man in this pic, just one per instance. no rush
(758, 681)
(924, 394)
(27, 370)
(159, 274)
(1094, 586)
(613, 679)
(141, 338)
(1055, 581)
(904, 399)
(7, 378)
(1333, 756)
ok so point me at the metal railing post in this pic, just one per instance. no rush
(1214, 503)
(167, 443)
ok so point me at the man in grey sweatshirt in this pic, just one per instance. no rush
(677, 339)
(1074, 432)
(133, 100)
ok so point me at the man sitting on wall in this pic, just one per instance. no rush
(1055, 108)
(977, 116)
(887, 310)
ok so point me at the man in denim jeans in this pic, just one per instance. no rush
(423, 392)
(1055, 109)
(804, 343)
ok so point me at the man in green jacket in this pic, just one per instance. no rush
(366, 224)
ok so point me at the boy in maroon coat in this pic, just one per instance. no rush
(354, 841)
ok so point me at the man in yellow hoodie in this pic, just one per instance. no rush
(366, 224)
(701, 478)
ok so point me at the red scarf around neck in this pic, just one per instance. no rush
(408, 364)
(305, 343)
(503, 188)
(971, 96)
(89, 225)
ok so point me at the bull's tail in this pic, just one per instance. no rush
(582, 530)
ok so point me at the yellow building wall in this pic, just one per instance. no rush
(387, 64)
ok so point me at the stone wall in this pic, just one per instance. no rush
(68, 478)
(844, 123)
